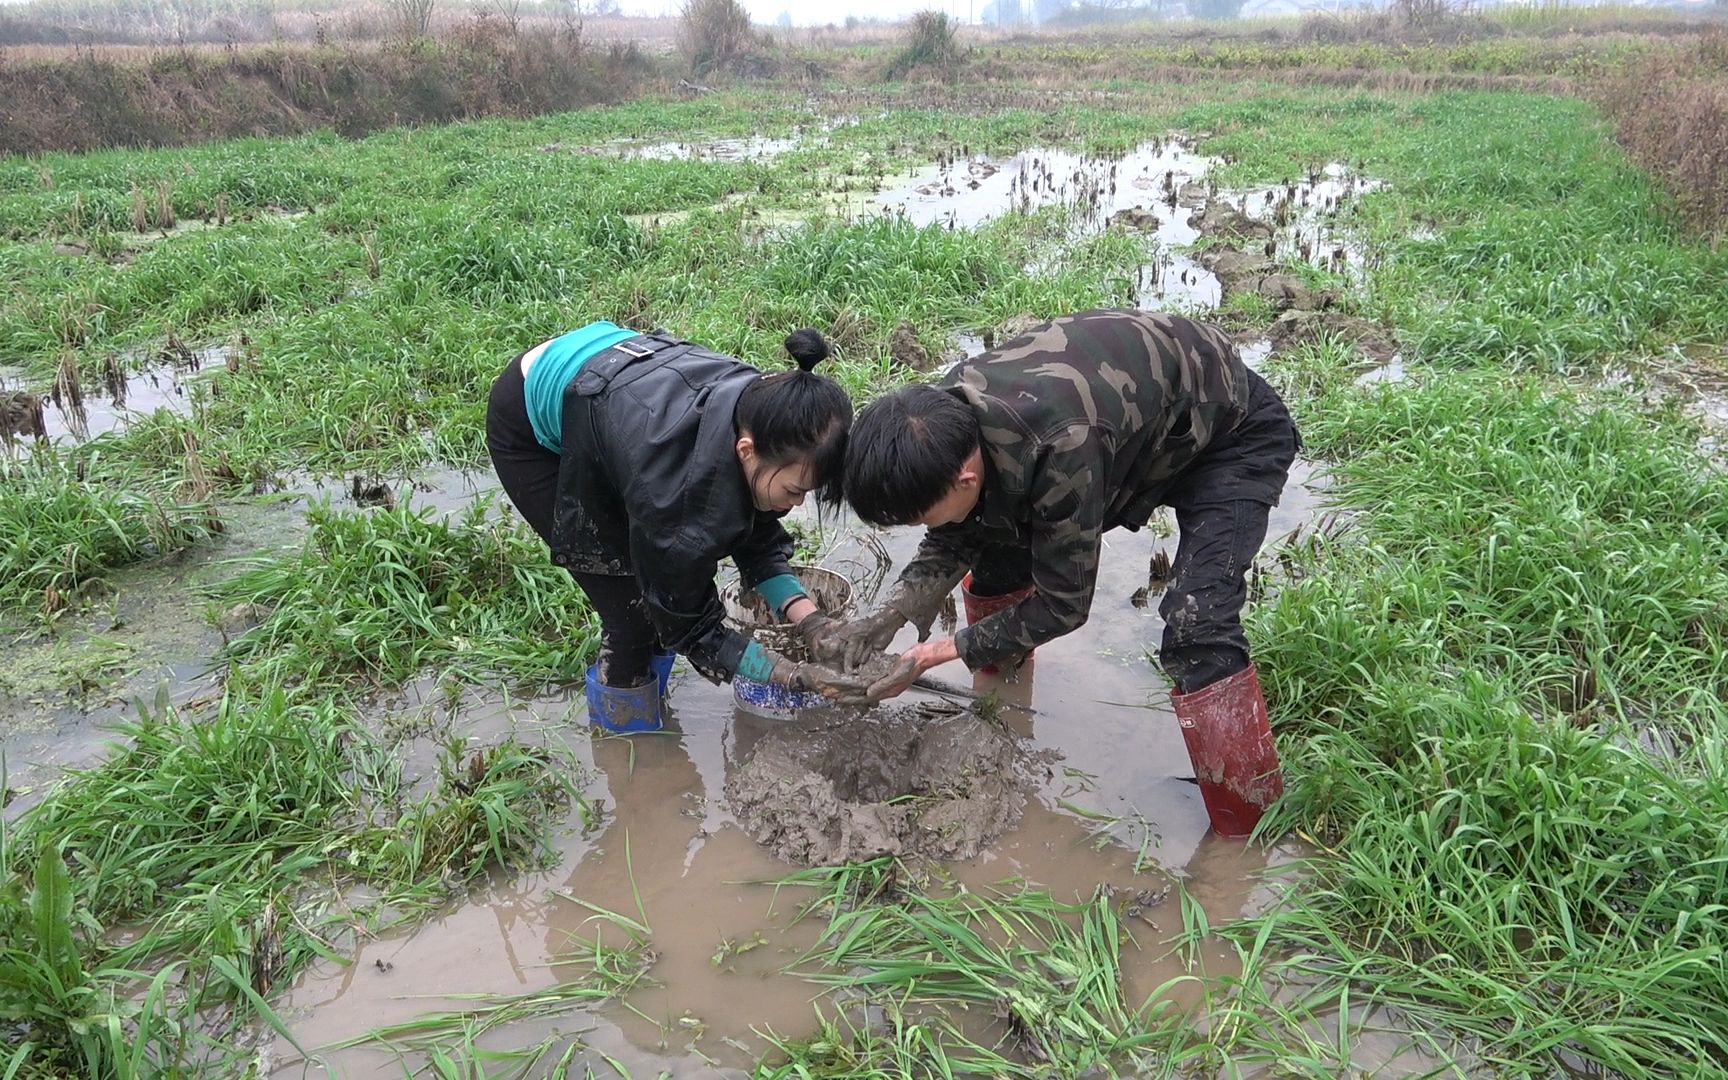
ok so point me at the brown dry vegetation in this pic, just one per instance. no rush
(88, 23)
(1671, 115)
(715, 38)
(176, 96)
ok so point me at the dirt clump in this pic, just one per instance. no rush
(907, 351)
(1135, 219)
(1234, 266)
(1241, 271)
(371, 491)
(240, 618)
(1296, 327)
(1286, 292)
(899, 781)
(1014, 326)
(1219, 219)
(21, 416)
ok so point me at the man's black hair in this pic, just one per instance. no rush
(905, 450)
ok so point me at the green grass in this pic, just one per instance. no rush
(225, 845)
(1502, 699)
(378, 597)
(1500, 691)
(63, 524)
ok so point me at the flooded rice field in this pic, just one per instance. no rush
(1078, 779)
(1082, 774)
(1492, 627)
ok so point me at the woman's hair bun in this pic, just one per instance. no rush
(807, 348)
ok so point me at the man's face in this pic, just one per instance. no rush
(961, 498)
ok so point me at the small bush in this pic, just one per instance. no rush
(716, 36)
(931, 43)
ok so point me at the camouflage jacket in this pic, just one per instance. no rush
(1085, 423)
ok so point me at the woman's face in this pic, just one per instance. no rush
(775, 489)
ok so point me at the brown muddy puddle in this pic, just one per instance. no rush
(1115, 808)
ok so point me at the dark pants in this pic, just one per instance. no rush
(1222, 503)
(529, 473)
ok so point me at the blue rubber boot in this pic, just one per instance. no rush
(661, 665)
(623, 709)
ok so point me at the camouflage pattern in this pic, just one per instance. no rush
(1086, 421)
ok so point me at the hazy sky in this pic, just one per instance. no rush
(812, 12)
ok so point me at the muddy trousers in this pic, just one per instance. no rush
(529, 475)
(1222, 501)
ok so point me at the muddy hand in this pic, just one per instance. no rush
(860, 641)
(897, 674)
(821, 636)
(840, 687)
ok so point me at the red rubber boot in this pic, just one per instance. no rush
(1229, 741)
(979, 608)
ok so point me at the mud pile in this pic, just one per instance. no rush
(894, 782)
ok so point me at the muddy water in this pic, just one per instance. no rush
(147, 631)
(449, 492)
(669, 853)
(1154, 189)
(756, 148)
(62, 690)
(166, 385)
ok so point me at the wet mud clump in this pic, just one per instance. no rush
(895, 782)
(1219, 219)
(906, 351)
(21, 416)
(1296, 327)
(1241, 271)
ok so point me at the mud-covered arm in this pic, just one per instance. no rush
(1067, 514)
(944, 556)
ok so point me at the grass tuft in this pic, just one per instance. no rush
(378, 597)
(62, 524)
(226, 845)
